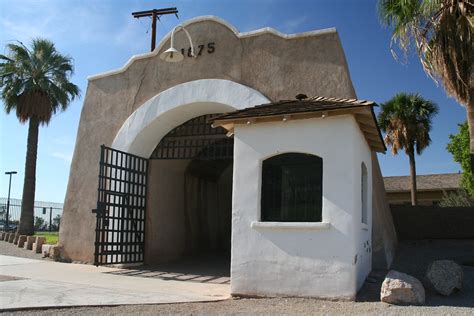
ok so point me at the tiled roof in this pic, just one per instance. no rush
(312, 104)
(302, 108)
(443, 181)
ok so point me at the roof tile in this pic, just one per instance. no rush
(311, 104)
(446, 181)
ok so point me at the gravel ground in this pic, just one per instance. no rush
(412, 258)
(276, 306)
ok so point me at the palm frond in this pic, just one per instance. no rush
(406, 120)
(36, 82)
(442, 32)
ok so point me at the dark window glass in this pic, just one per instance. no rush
(292, 188)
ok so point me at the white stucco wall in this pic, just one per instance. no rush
(362, 232)
(300, 259)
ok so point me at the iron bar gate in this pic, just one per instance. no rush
(195, 139)
(121, 207)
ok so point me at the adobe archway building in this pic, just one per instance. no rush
(202, 156)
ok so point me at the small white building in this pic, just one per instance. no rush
(203, 157)
(302, 197)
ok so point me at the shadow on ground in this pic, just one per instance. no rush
(414, 257)
(204, 269)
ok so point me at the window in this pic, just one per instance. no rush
(363, 192)
(292, 188)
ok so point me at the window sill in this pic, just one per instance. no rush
(290, 225)
(364, 226)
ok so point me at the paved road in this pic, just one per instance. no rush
(26, 283)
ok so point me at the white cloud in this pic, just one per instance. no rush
(22, 30)
(63, 140)
(63, 156)
(292, 26)
(60, 21)
(69, 23)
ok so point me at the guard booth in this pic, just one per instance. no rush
(213, 159)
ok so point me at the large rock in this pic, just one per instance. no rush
(444, 276)
(29, 242)
(55, 252)
(38, 244)
(401, 288)
(45, 248)
(15, 240)
(21, 241)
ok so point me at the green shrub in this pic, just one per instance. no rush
(458, 198)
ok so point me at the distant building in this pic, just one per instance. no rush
(430, 188)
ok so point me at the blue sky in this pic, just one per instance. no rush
(102, 35)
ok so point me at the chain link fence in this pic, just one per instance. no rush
(47, 215)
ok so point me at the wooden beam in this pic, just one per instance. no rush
(367, 126)
(373, 137)
(376, 145)
(365, 119)
(369, 130)
(289, 116)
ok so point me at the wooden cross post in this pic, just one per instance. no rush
(155, 14)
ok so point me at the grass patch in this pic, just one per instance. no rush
(51, 237)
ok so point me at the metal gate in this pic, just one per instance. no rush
(121, 208)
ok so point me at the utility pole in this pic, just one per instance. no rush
(155, 14)
(50, 218)
(7, 224)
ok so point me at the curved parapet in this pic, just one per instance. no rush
(262, 31)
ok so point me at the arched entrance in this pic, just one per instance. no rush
(189, 204)
(189, 186)
(142, 131)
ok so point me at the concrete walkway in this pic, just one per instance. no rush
(27, 283)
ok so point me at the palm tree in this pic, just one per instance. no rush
(406, 120)
(443, 31)
(35, 84)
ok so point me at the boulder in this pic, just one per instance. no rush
(29, 242)
(55, 252)
(403, 289)
(45, 250)
(15, 240)
(21, 241)
(444, 276)
(38, 244)
(11, 237)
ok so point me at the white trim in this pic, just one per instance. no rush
(291, 225)
(266, 30)
(145, 127)
(269, 30)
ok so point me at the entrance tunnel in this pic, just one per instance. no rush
(189, 204)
